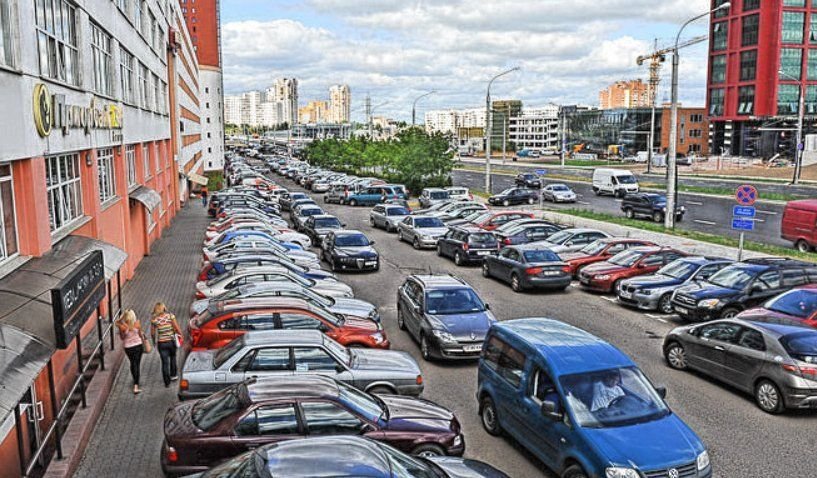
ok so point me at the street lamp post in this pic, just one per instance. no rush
(672, 163)
(488, 121)
(801, 114)
(414, 105)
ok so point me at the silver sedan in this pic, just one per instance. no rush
(421, 231)
(558, 193)
(387, 216)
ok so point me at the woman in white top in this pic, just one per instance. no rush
(130, 331)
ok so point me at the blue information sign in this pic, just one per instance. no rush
(541, 172)
(742, 224)
(743, 211)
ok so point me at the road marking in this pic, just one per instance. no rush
(609, 299)
(696, 203)
(583, 202)
(759, 220)
(658, 318)
(708, 223)
(770, 213)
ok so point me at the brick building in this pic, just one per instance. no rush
(625, 94)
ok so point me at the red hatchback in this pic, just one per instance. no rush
(224, 321)
(795, 307)
(605, 276)
(598, 251)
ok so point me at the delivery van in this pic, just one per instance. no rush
(617, 182)
(799, 224)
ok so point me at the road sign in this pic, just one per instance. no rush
(741, 224)
(541, 172)
(743, 211)
(746, 195)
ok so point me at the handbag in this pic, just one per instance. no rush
(178, 340)
(147, 347)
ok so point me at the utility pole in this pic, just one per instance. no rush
(488, 121)
(563, 127)
(368, 106)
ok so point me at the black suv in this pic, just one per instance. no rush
(649, 205)
(741, 286)
(528, 180)
(467, 244)
(445, 315)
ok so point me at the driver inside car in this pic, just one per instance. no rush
(606, 390)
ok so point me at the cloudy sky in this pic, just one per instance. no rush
(396, 50)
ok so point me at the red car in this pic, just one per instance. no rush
(217, 326)
(598, 251)
(605, 276)
(492, 220)
(795, 307)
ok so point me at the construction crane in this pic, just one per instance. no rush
(659, 56)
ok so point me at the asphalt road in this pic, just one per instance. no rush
(708, 214)
(742, 440)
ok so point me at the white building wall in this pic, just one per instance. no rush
(232, 109)
(212, 119)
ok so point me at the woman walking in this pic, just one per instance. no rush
(163, 329)
(130, 331)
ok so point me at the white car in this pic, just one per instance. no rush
(558, 193)
(300, 257)
(253, 275)
(459, 193)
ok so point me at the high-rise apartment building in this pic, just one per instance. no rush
(251, 108)
(285, 90)
(232, 109)
(340, 104)
(315, 111)
(625, 94)
(203, 23)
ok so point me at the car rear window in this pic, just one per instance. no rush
(481, 238)
(801, 345)
(208, 412)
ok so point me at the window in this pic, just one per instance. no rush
(749, 5)
(270, 360)
(695, 133)
(721, 331)
(746, 100)
(787, 98)
(257, 322)
(130, 161)
(719, 13)
(720, 35)
(64, 190)
(151, 33)
(158, 159)
(767, 281)
(126, 76)
(313, 358)
(107, 177)
(57, 40)
(157, 94)
(811, 67)
(103, 61)
(716, 102)
(696, 118)
(143, 86)
(163, 108)
(8, 219)
(138, 5)
(749, 29)
(6, 43)
(270, 420)
(791, 60)
(504, 360)
(324, 418)
(751, 339)
(541, 387)
(146, 160)
(299, 322)
(793, 23)
(718, 68)
(748, 65)
(811, 102)
(144, 24)
(812, 36)
(794, 3)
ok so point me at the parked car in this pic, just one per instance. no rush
(329, 456)
(799, 224)
(312, 405)
(300, 215)
(490, 220)
(606, 276)
(431, 196)
(285, 200)
(526, 233)
(580, 405)
(741, 286)
(467, 245)
(616, 182)
(459, 193)
(387, 216)
(374, 195)
(461, 213)
(572, 240)
(650, 205)
(337, 194)
(558, 193)
(444, 314)
(528, 267)
(224, 321)
(251, 275)
(421, 231)
(228, 263)
(775, 363)
(795, 307)
(528, 180)
(298, 255)
(347, 250)
(284, 236)
(514, 196)
(597, 251)
(319, 225)
(654, 291)
(287, 353)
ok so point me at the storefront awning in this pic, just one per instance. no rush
(148, 197)
(26, 322)
(198, 179)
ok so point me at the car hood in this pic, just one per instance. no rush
(465, 468)
(333, 288)
(353, 307)
(603, 267)
(199, 361)
(431, 231)
(178, 421)
(457, 222)
(654, 281)
(199, 306)
(366, 252)
(705, 290)
(395, 219)
(416, 413)
(360, 323)
(464, 325)
(658, 444)
(322, 231)
(573, 256)
(391, 360)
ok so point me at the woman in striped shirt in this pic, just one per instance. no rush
(163, 329)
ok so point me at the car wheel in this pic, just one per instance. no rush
(803, 246)
(616, 286)
(676, 356)
(506, 203)
(485, 271)
(401, 322)
(515, 284)
(490, 417)
(458, 258)
(371, 221)
(620, 194)
(381, 390)
(665, 304)
(629, 213)
(325, 201)
(531, 200)
(425, 348)
(658, 217)
(439, 250)
(574, 471)
(729, 313)
(416, 243)
(428, 450)
(768, 397)
(596, 191)
(400, 235)
(353, 202)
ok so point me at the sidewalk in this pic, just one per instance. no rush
(128, 436)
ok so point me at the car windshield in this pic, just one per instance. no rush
(736, 278)
(626, 258)
(453, 301)
(560, 187)
(612, 398)
(542, 255)
(405, 466)
(351, 240)
(311, 211)
(628, 179)
(560, 237)
(225, 353)
(594, 248)
(801, 345)
(295, 196)
(438, 195)
(481, 238)
(369, 405)
(659, 200)
(397, 211)
(798, 303)
(678, 269)
(207, 412)
(478, 216)
(337, 350)
(422, 222)
(328, 223)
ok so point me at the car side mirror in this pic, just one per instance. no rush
(367, 428)
(662, 392)
(756, 289)
(487, 306)
(343, 224)
(569, 243)
(642, 265)
(550, 411)
(372, 242)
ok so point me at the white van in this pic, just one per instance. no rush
(617, 182)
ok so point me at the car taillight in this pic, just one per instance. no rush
(203, 275)
(200, 295)
(532, 271)
(566, 269)
(507, 240)
(465, 246)
(195, 336)
(184, 384)
(419, 380)
(172, 455)
(801, 371)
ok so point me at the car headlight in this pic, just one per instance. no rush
(458, 440)
(443, 336)
(378, 338)
(664, 209)
(646, 291)
(703, 461)
(620, 472)
(709, 303)
(601, 277)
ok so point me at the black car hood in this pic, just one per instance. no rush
(464, 468)
(366, 252)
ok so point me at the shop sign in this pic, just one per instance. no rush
(52, 112)
(76, 297)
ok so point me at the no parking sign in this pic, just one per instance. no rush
(746, 195)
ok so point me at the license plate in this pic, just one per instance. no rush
(371, 263)
(472, 348)
(625, 295)
(483, 253)
(681, 310)
(551, 273)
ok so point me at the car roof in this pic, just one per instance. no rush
(284, 337)
(296, 386)
(568, 349)
(704, 260)
(470, 229)
(292, 457)
(231, 305)
(347, 232)
(441, 281)
(774, 329)
(324, 216)
(435, 190)
(579, 230)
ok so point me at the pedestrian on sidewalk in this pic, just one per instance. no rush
(133, 339)
(167, 336)
(204, 197)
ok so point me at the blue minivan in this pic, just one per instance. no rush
(581, 405)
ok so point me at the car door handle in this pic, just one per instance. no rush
(719, 348)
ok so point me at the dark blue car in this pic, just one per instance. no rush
(580, 405)
(230, 236)
(227, 264)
